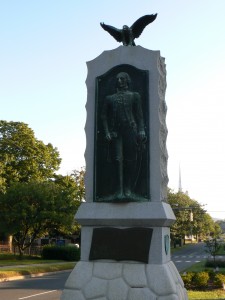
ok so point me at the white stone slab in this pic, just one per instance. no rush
(125, 214)
(144, 59)
(156, 279)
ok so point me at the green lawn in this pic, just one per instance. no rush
(27, 262)
(217, 294)
(7, 259)
(6, 272)
(29, 265)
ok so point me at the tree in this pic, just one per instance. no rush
(201, 225)
(212, 247)
(30, 210)
(73, 186)
(180, 203)
(23, 158)
(205, 226)
(78, 177)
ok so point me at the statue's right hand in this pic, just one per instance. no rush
(108, 136)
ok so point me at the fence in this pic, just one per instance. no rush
(4, 247)
(34, 250)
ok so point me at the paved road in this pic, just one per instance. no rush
(187, 256)
(48, 287)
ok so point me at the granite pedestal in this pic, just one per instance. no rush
(139, 229)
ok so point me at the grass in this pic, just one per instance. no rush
(221, 250)
(28, 270)
(12, 265)
(27, 262)
(7, 259)
(200, 267)
(216, 294)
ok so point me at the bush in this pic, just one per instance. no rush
(201, 279)
(198, 281)
(69, 253)
(187, 279)
(219, 280)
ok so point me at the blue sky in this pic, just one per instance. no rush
(44, 49)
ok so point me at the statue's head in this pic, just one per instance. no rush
(125, 27)
(123, 80)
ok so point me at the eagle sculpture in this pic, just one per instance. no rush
(127, 34)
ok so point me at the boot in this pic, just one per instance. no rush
(129, 168)
(119, 180)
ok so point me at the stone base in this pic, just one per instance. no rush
(124, 281)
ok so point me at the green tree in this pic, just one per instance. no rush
(78, 176)
(212, 247)
(217, 230)
(204, 225)
(30, 210)
(23, 158)
(2, 178)
(191, 218)
(73, 187)
(180, 204)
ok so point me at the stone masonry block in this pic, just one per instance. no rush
(95, 288)
(160, 280)
(117, 290)
(72, 295)
(134, 275)
(81, 274)
(107, 270)
(141, 294)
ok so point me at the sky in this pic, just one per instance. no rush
(44, 47)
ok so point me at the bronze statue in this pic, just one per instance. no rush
(127, 34)
(124, 130)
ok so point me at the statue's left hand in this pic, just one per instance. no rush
(142, 137)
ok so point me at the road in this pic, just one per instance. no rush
(187, 256)
(48, 287)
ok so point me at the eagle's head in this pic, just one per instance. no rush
(125, 28)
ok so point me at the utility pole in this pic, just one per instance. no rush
(179, 184)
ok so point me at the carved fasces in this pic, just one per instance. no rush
(163, 128)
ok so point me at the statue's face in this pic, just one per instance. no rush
(121, 80)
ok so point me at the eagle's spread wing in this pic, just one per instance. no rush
(141, 23)
(116, 33)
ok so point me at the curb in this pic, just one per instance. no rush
(32, 275)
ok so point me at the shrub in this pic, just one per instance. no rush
(201, 279)
(187, 279)
(69, 253)
(219, 280)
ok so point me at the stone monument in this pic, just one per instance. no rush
(125, 235)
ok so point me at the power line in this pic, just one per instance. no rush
(216, 211)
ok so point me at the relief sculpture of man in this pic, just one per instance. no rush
(123, 124)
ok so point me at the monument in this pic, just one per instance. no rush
(125, 235)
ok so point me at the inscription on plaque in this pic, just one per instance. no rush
(121, 244)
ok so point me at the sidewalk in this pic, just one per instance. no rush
(34, 265)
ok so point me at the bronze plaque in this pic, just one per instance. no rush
(121, 244)
(121, 163)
